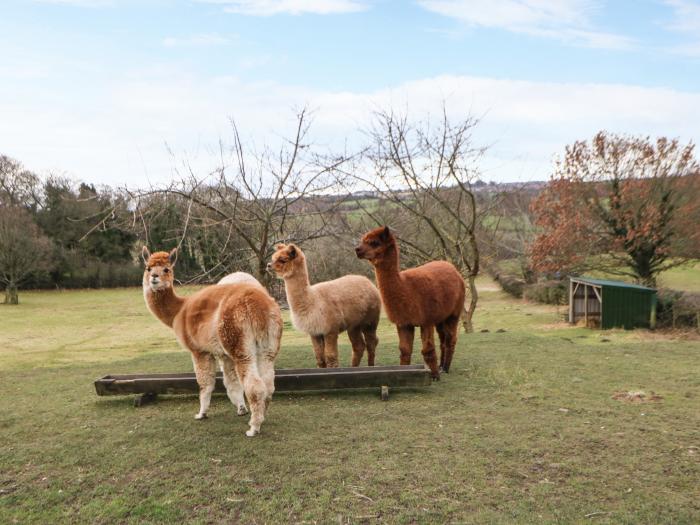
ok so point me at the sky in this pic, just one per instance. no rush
(124, 92)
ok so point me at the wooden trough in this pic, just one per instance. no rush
(286, 380)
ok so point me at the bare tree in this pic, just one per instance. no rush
(18, 186)
(511, 231)
(24, 250)
(254, 200)
(427, 171)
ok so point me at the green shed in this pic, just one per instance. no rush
(611, 304)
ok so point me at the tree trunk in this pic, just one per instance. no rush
(11, 294)
(263, 275)
(468, 313)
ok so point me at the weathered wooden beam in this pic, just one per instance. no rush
(286, 380)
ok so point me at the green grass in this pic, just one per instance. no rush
(522, 430)
(685, 278)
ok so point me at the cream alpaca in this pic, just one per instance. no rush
(238, 325)
(240, 278)
(325, 309)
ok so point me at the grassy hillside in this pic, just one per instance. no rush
(524, 429)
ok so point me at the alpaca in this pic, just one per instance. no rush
(429, 296)
(325, 309)
(240, 278)
(238, 325)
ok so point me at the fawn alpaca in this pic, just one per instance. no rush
(238, 325)
(429, 296)
(325, 309)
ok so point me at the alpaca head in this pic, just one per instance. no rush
(286, 260)
(158, 274)
(375, 244)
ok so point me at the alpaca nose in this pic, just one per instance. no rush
(358, 251)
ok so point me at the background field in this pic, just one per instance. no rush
(524, 429)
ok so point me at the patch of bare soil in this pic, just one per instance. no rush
(638, 396)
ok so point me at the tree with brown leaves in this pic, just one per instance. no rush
(628, 205)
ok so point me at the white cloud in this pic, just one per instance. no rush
(121, 137)
(79, 3)
(686, 16)
(685, 20)
(566, 20)
(293, 7)
(202, 40)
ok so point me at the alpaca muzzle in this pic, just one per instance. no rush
(359, 252)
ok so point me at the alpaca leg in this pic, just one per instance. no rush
(255, 391)
(442, 335)
(452, 329)
(267, 352)
(234, 388)
(319, 344)
(358, 345)
(370, 333)
(428, 350)
(267, 374)
(205, 371)
(331, 349)
(406, 334)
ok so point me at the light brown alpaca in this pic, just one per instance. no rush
(325, 309)
(429, 296)
(238, 325)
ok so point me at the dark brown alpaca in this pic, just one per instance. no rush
(429, 296)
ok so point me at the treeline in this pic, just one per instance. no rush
(625, 206)
(231, 218)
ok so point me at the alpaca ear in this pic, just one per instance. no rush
(280, 246)
(145, 254)
(292, 251)
(172, 257)
(385, 235)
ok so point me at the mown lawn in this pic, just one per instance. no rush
(523, 430)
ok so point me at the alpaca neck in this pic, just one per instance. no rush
(298, 290)
(164, 304)
(388, 274)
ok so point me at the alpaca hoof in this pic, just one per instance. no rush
(242, 410)
(252, 432)
(436, 377)
(200, 416)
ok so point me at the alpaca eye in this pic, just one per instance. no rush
(148, 269)
(374, 244)
(165, 270)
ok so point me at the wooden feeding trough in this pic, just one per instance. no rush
(148, 386)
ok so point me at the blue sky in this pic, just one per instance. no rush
(121, 91)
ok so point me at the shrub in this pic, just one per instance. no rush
(548, 292)
(676, 309)
(510, 284)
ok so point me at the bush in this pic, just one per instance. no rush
(676, 309)
(548, 292)
(510, 284)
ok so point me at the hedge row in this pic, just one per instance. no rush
(676, 309)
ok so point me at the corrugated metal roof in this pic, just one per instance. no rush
(616, 284)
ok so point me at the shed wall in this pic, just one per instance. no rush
(626, 307)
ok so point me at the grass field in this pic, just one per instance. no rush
(523, 430)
